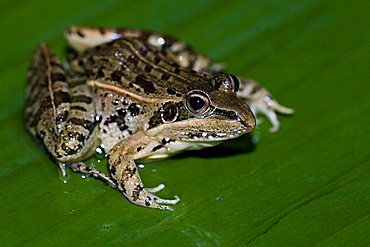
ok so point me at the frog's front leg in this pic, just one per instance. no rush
(260, 100)
(123, 168)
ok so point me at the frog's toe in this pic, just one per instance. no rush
(156, 189)
(161, 203)
(167, 201)
(62, 167)
(153, 201)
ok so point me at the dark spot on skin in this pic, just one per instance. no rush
(214, 135)
(100, 73)
(81, 34)
(61, 117)
(134, 109)
(116, 76)
(164, 141)
(79, 108)
(58, 77)
(177, 70)
(121, 112)
(157, 147)
(144, 83)
(61, 97)
(42, 133)
(123, 188)
(98, 119)
(81, 138)
(112, 170)
(136, 192)
(157, 59)
(88, 125)
(178, 94)
(147, 201)
(148, 68)
(171, 90)
(131, 84)
(165, 76)
(139, 149)
(118, 119)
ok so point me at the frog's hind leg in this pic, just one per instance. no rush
(260, 100)
(61, 115)
(81, 38)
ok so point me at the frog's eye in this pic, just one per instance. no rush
(197, 103)
(234, 82)
(226, 82)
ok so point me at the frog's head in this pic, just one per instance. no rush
(207, 112)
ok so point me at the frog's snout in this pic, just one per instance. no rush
(247, 118)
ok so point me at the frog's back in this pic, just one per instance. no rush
(138, 67)
(131, 80)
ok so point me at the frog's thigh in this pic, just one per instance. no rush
(61, 121)
(123, 168)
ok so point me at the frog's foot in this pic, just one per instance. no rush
(268, 107)
(146, 197)
(260, 100)
(82, 168)
(151, 200)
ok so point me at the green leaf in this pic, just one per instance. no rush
(307, 185)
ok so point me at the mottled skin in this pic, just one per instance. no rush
(139, 95)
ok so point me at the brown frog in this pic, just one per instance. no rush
(139, 95)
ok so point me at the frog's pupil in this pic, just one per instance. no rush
(196, 103)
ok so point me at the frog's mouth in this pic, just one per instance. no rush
(202, 130)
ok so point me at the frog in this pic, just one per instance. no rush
(138, 95)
